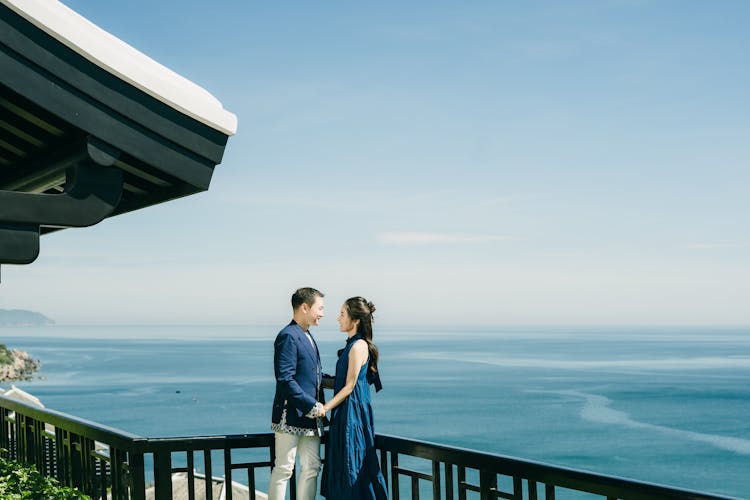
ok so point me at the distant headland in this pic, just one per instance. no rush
(21, 317)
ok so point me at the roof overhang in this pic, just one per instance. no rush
(91, 128)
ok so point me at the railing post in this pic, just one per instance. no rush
(118, 473)
(32, 446)
(531, 485)
(517, 487)
(39, 450)
(228, 473)
(4, 430)
(62, 445)
(163, 475)
(461, 483)
(448, 481)
(191, 473)
(88, 466)
(25, 439)
(435, 480)
(137, 476)
(251, 482)
(549, 491)
(487, 482)
(395, 493)
(76, 455)
(99, 476)
(208, 466)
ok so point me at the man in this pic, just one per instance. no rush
(298, 400)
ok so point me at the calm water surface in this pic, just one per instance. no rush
(666, 405)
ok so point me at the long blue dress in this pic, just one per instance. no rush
(352, 470)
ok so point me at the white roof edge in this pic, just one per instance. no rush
(117, 57)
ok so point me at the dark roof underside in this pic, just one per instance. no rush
(63, 118)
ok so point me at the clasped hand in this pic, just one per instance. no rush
(317, 411)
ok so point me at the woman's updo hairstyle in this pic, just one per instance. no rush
(362, 309)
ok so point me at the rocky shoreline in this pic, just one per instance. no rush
(22, 367)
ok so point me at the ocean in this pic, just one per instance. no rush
(664, 405)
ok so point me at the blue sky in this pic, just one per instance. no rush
(580, 162)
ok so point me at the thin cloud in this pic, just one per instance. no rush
(275, 201)
(708, 246)
(84, 256)
(561, 255)
(75, 260)
(423, 238)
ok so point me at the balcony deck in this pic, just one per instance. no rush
(109, 463)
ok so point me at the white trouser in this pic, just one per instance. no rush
(287, 446)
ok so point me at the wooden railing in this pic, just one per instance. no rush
(108, 463)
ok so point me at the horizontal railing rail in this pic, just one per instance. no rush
(452, 463)
(74, 424)
(105, 463)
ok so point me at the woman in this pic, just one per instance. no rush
(351, 470)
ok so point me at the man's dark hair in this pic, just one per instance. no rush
(305, 295)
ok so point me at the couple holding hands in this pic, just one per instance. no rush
(351, 470)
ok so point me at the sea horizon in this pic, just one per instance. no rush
(238, 330)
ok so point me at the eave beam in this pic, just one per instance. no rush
(93, 189)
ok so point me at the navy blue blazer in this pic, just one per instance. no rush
(299, 377)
